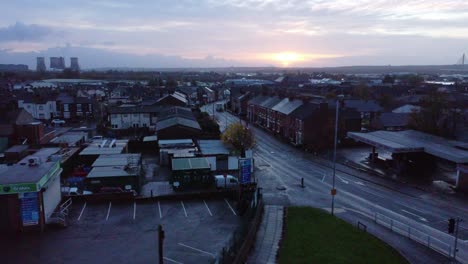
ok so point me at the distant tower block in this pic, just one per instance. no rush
(57, 63)
(40, 66)
(74, 65)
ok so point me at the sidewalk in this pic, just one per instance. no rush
(268, 236)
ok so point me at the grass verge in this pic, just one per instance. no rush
(314, 236)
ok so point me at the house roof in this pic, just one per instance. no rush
(176, 111)
(305, 110)
(176, 95)
(114, 171)
(286, 106)
(257, 100)
(18, 116)
(110, 160)
(407, 108)
(177, 121)
(394, 119)
(362, 105)
(135, 109)
(270, 102)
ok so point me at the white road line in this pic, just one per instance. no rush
(196, 249)
(420, 217)
(159, 207)
(324, 175)
(183, 206)
(171, 260)
(207, 208)
(82, 210)
(108, 210)
(230, 206)
(134, 210)
(343, 180)
(360, 183)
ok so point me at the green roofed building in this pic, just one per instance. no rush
(191, 173)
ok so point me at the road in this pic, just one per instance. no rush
(281, 166)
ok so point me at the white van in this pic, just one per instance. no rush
(228, 182)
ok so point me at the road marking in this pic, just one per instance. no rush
(108, 210)
(360, 183)
(207, 208)
(160, 214)
(420, 217)
(183, 206)
(343, 180)
(230, 206)
(196, 249)
(134, 210)
(171, 260)
(82, 210)
(324, 175)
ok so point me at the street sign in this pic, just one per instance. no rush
(245, 167)
(333, 192)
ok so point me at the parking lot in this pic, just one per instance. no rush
(111, 232)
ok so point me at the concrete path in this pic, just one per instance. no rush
(268, 236)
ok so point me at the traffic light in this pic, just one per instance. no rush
(451, 226)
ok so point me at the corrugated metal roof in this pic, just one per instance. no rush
(106, 172)
(190, 164)
(95, 149)
(414, 141)
(117, 160)
(213, 147)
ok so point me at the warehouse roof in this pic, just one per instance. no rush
(115, 171)
(190, 164)
(415, 141)
(106, 146)
(117, 160)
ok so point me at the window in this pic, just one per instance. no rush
(66, 107)
(125, 115)
(135, 115)
(78, 107)
(41, 107)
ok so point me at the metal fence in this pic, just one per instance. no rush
(433, 239)
(240, 243)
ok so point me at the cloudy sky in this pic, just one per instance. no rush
(220, 33)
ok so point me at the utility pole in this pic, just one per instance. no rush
(333, 190)
(455, 249)
(160, 243)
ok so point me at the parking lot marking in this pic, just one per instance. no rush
(183, 206)
(108, 210)
(134, 210)
(159, 206)
(324, 175)
(230, 206)
(171, 260)
(207, 208)
(82, 210)
(196, 249)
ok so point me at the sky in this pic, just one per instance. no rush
(224, 33)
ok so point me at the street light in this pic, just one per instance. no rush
(333, 190)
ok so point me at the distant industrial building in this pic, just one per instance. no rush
(57, 63)
(40, 66)
(74, 65)
(13, 67)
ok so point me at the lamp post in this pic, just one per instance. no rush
(333, 190)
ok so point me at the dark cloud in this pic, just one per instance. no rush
(23, 32)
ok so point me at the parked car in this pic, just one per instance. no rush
(58, 122)
(227, 181)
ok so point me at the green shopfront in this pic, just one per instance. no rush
(28, 205)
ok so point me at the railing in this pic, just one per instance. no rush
(442, 244)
